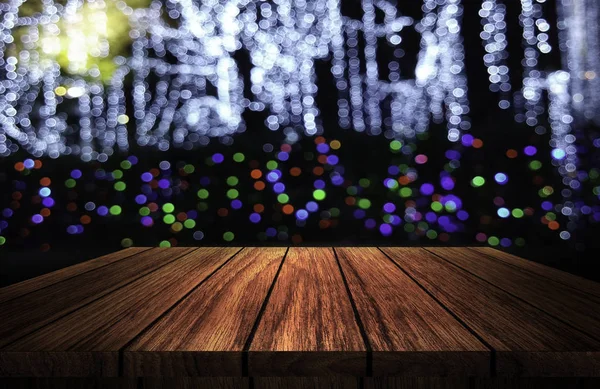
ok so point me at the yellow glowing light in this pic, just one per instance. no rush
(60, 91)
(123, 119)
(84, 41)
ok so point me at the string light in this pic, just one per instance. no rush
(187, 87)
(493, 35)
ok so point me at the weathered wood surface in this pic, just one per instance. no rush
(301, 317)
(37, 283)
(408, 331)
(97, 331)
(526, 340)
(308, 326)
(205, 333)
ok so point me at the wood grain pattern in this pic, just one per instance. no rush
(308, 327)
(23, 315)
(527, 383)
(195, 383)
(537, 269)
(109, 323)
(83, 383)
(416, 383)
(569, 305)
(528, 342)
(306, 383)
(43, 281)
(310, 320)
(409, 332)
(205, 333)
(300, 383)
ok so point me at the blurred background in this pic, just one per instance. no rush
(298, 122)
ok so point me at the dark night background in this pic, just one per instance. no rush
(31, 249)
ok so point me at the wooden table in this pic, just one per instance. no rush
(344, 317)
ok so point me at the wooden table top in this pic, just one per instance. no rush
(302, 311)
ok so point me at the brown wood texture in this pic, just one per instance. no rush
(205, 334)
(539, 270)
(194, 383)
(104, 326)
(416, 383)
(408, 331)
(527, 341)
(43, 281)
(303, 318)
(30, 312)
(572, 306)
(299, 383)
(306, 383)
(308, 326)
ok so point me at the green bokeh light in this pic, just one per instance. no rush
(395, 145)
(517, 213)
(493, 241)
(535, 165)
(203, 194)
(319, 194)
(477, 181)
(364, 203)
(283, 198)
(232, 194)
(405, 192)
(437, 206)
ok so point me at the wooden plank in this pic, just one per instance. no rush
(565, 303)
(205, 333)
(195, 383)
(409, 332)
(340, 382)
(43, 281)
(416, 383)
(308, 326)
(83, 383)
(24, 315)
(100, 329)
(568, 279)
(527, 341)
(527, 383)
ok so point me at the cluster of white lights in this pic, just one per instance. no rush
(573, 95)
(187, 87)
(578, 35)
(528, 102)
(439, 84)
(493, 15)
(564, 151)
